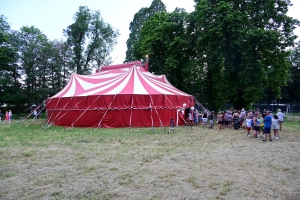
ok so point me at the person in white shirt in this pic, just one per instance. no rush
(34, 114)
(275, 126)
(10, 115)
(280, 116)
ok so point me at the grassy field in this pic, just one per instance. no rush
(201, 163)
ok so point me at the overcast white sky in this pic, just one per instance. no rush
(52, 16)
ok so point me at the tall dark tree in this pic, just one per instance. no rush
(35, 52)
(165, 39)
(292, 90)
(244, 44)
(60, 66)
(137, 23)
(11, 91)
(102, 39)
(90, 36)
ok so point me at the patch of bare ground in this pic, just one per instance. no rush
(189, 164)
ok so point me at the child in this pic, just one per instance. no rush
(248, 125)
(275, 126)
(6, 117)
(34, 114)
(171, 125)
(261, 125)
(256, 126)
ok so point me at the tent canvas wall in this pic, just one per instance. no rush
(123, 95)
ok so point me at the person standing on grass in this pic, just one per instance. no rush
(6, 117)
(267, 126)
(226, 118)
(261, 125)
(264, 114)
(275, 126)
(280, 116)
(219, 119)
(235, 120)
(191, 118)
(200, 118)
(205, 118)
(230, 118)
(223, 119)
(248, 125)
(34, 114)
(0, 115)
(256, 127)
(242, 117)
(10, 115)
(211, 119)
(196, 117)
(171, 126)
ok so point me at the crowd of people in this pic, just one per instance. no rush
(253, 122)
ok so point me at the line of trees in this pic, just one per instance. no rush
(32, 67)
(225, 51)
(228, 51)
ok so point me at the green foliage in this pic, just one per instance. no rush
(91, 39)
(292, 90)
(245, 46)
(165, 39)
(32, 68)
(10, 91)
(228, 50)
(135, 26)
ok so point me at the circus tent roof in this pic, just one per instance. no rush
(128, 78)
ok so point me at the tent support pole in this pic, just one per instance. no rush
(85, 110)
(152, 128)
(37, 114)
(99, 124)
(130, 120)
(48, 120)
(27, 116)
(156, 112)
(57, 114)
(65, 112)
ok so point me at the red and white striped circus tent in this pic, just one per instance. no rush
(124, 95)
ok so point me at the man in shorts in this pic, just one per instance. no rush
(280, 116)
(267, 125)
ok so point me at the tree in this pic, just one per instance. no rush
(244, 44)
(10, 89)
(60, 69)
(165, 39)
(137, 23)
(35, 53)
(292, 90)
(91, 40)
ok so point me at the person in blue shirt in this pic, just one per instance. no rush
(267, 125)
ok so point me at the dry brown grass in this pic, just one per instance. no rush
(138, 164)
